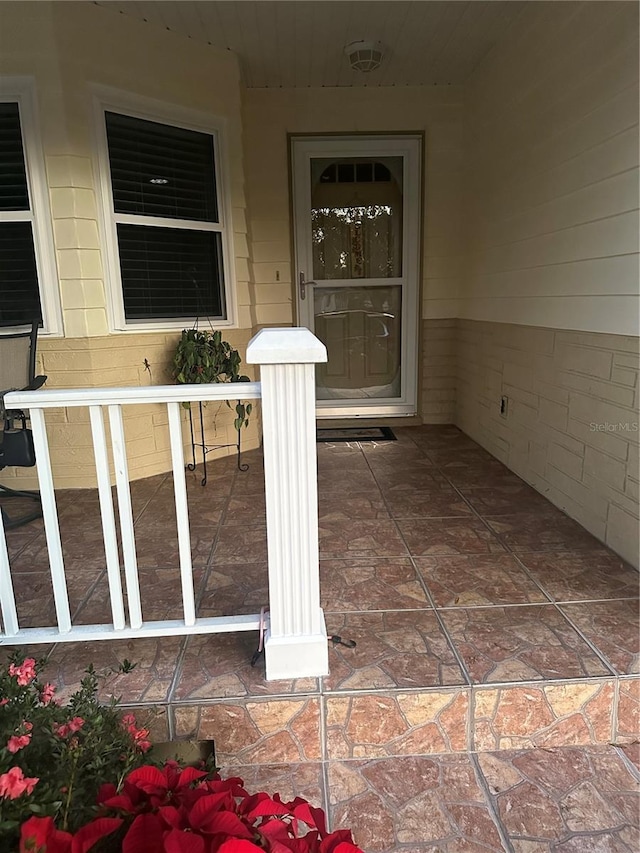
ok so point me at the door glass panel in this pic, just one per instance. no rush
(360, 327)
(356, 213)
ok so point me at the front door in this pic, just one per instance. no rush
(357, 226)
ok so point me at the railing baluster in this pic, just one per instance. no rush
(107, 515)
(126, 515)
(298, 645)
(7, 598)
(182, 513)
(50, 516)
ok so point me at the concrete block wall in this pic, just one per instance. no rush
(572, 422)
(438, 374)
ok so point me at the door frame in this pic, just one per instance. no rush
(408, 145)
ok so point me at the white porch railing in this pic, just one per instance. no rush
(296, 640)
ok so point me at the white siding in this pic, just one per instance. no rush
(553, 189)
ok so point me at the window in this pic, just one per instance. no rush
(26, 249)
(359, 171)
(167, 227)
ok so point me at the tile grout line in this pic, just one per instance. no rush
(552, 510)
(78, 611)
(510, 551)
(208, 566)
(614, 710)
(177, 672)
(454, 607)
(532, 578)
(472, 692)
(491, 804)
(460, 660)
(352, 693)
(635, 771)
(497, 536)
(466, 675)
(600, 655)
(137, 517)
(452, 485)
(324, 752)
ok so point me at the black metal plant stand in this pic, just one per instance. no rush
(206, 448)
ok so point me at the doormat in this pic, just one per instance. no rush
(356, 434)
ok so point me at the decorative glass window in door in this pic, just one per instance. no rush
(356, 221)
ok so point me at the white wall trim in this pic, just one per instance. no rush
(106, 98)
(613, 315)
(22, 90)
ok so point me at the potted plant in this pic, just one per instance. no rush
(202, 356)
(176, 809)
(80, 777)
(53, 757)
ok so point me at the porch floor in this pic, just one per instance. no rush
(496, 652)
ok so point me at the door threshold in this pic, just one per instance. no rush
(354, 423)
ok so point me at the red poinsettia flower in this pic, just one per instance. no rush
(40, 834)
(339, 841)
(237, 845)
(175, 810)
(145, 835)
(90, 834)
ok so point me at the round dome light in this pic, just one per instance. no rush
(365, 56)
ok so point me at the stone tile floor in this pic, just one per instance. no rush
(496, 661)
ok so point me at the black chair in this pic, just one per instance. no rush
(17, 373)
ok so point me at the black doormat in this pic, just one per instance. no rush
(356, 434)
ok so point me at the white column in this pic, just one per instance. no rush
(296, 641)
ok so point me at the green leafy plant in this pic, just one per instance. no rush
(203, 356)
(78, 779)
(54, 758)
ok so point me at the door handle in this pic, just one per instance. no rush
(303, 285)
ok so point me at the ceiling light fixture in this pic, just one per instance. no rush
(365, 56)
(158, 181)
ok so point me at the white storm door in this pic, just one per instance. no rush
(357, 246)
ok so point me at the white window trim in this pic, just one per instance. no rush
(113, 100)
(22, 90)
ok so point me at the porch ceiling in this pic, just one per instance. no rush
(301, 43)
